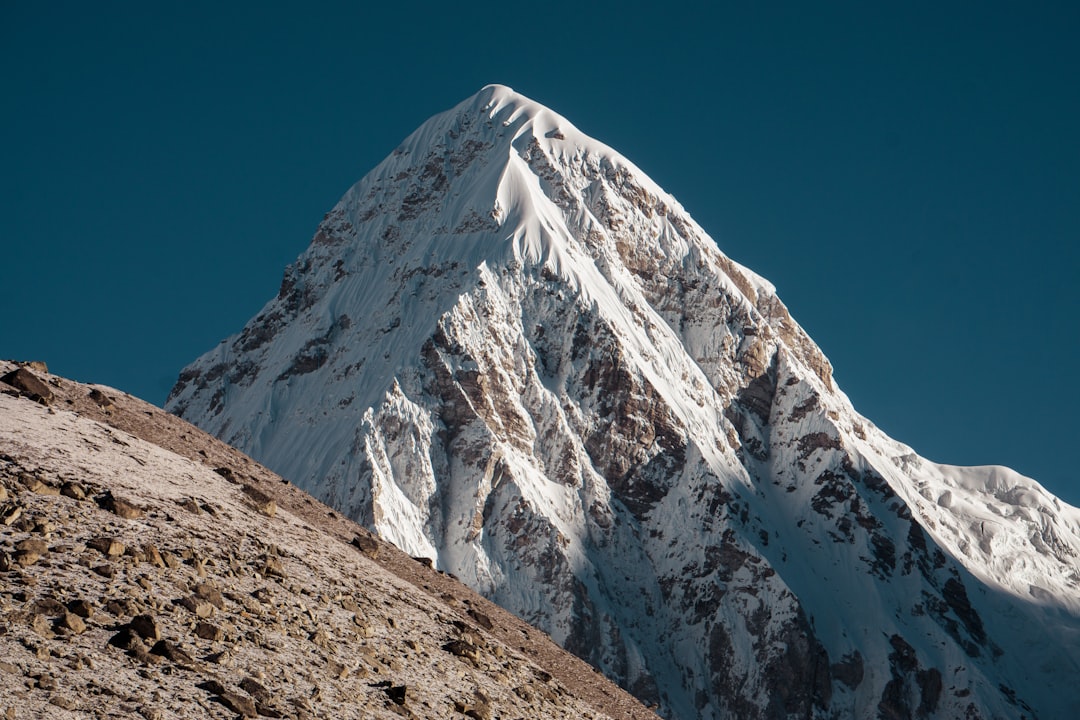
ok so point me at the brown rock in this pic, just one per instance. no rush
(146, 627)
(211, 594)
(108, 546)
(106, 570)
(73, 490)
(228, 474)
(82, 608)
(40, 624)
(10, 513)
(197, 605)
(29, 384)
(256, 690)
(101, 399)
(29, 551)
(152, 555)
(367, 545)
(72, 622)
(48, 606)
(209, 631)
(262, 502)
(463, 649)
(273, 567)
(173, 652)
(120, 507)
(481, 619)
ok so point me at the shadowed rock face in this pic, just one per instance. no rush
(28, 384)
(555, 386)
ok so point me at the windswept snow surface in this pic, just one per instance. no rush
(508, 350)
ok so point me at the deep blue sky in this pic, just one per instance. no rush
(908, 177)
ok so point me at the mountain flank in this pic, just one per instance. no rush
(147, 569)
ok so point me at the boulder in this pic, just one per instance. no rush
(29, 385)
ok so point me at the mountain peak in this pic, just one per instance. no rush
(508, 350)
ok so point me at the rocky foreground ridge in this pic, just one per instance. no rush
(148, 570)
(508, 350)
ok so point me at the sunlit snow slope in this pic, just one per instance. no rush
(507, 349)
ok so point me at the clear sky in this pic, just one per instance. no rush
(908, 177)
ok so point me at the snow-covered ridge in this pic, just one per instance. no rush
(507, 349)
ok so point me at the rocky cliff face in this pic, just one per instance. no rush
(508, 350)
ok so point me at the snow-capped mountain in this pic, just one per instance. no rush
(510, 351)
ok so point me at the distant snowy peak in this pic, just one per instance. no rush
(510, 351)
